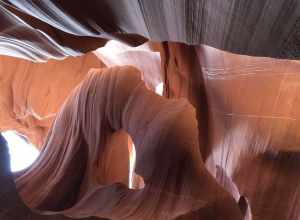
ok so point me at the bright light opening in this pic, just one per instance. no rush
(159, 89)
(22, 153)
(132, 166)
(135, 181)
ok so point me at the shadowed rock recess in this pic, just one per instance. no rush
(151, 109)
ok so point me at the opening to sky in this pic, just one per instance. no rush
(159, 89)
(22, 153)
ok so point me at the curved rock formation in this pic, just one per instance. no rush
(241, 143)
(168, 157)
(222, 142)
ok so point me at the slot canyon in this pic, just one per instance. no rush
(151, 109)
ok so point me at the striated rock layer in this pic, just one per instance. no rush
(40, 30)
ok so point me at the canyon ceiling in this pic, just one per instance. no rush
(221, 140)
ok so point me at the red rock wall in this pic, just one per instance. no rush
(32, 93)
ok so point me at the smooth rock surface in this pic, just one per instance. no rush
(32, 93)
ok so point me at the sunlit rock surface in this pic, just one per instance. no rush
(147, 61)
(32, 93)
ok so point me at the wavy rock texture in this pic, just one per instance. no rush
(87, 128)
(227, 150)
(242, 147)
(12, 207)
(222, 142)
(262, 28)
(32, 93)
